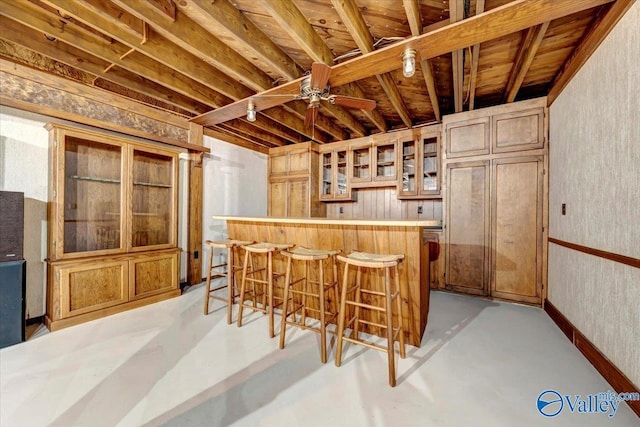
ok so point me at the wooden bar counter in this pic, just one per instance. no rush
(377, 236)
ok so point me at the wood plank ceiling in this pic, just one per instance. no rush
(190, 57)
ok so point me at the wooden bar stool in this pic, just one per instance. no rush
(372, 261)
(291, 290)
(227, 270)
(268, 276)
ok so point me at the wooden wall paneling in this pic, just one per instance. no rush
(467, 232)
(516, 218)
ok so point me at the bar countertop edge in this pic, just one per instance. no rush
(335, 221)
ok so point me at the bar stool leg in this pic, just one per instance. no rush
(207, 289)
(390, 351)
(242, 286)
(231, 284)
(285, 309)
(343, 304)
(399, 310)
(270, 295)
(356, 326)
(323, 324)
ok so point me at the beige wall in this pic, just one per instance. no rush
(595, 170)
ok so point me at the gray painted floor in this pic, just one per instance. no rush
(481, 363)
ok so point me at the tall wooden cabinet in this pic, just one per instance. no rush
(293, 181)
(112, 225)
(495, 201)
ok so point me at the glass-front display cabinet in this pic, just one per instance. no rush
(112, 225)
(385, 158)
(334, 168)
(419, 158)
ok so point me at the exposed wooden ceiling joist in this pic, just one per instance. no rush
(475, 59)
(526, 53)
(412, 10)
(456, 14)
(355, 23)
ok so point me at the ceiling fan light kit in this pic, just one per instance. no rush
(409, 62)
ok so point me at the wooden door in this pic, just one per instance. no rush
(299, 162)
(518, 131)
(466, 138)
(467, 227)
(277, 198)
(516, 207)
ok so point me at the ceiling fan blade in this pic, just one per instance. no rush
(310, 116)
(351, 102)
(319, 75)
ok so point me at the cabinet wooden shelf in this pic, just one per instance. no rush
(113, 203)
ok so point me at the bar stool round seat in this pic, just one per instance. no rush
(379, 301)
(226, 270)
(250, 273)
(303, 288)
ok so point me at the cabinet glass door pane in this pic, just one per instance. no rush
(409, 167)
(152, 199)
(386, 161)
(341, 177)
(92, 190)
(361, 164)
(327, 172)
(430, 165)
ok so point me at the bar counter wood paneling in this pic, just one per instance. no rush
(377, 236)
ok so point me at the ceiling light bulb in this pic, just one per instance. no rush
(251, 111)
(409, 62)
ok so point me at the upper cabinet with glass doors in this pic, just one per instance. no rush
(419, 158)
(109, 195)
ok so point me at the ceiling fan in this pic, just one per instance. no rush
(313, 88)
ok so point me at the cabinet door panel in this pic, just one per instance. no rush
(298, 198)
(278, 164)
(467, 261)
(278, 199)
(153, 275)
(517, 225)
(467, 138)
(522, 130)
(299, 162)
(90, 287)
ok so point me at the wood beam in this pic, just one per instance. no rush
(512, 17)
(456, 13)
(120, 25)
(194, 212)
(589, 43)
(475, 58)
(225, 14)
(246, 127)
(233, 130)
(526, 53)
(412, 10)
(190, 36)
(357, 27)
(28, 38)
(302, 32)
(221, 134)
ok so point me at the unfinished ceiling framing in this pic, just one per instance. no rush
(193, 57)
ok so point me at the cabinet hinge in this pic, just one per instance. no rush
(55, 194)
(55, 144)
(58, 275)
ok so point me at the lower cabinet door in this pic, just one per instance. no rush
(89, 287)
(153, 274)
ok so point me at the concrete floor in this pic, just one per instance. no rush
(481, 363)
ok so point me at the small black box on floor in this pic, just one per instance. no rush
(11, 225)
(12, 302)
